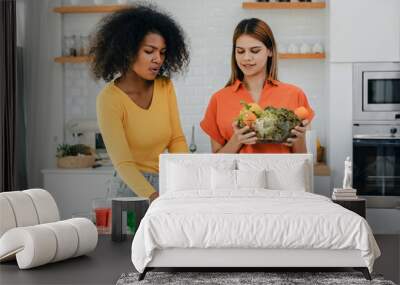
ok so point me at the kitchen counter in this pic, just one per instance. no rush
(98, 170)
(321, 169)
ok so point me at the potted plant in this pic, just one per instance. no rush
(75, 156)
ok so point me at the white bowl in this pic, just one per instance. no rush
(293, 48)
(305, 48)
(317, 48)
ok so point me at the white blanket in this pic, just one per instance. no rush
(251, 218)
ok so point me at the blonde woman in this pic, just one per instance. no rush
(253, 80)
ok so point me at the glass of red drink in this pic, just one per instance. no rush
(102, 213)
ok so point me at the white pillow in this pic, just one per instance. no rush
(189, 175)
(282, 174)
(293, 179)
(183, 177)
(223, 179)
(237, 179)
(251, 178)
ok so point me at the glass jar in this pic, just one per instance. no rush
(78, 45)
(69, 48)
(85, 42)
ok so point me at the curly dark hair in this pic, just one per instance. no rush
(115, 43)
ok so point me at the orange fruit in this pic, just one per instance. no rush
(301, 112)
(249, 118)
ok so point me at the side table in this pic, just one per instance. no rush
(356, 205)
(120, 205)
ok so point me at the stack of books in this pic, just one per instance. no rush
(344, 194)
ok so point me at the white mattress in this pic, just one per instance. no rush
(251, 218)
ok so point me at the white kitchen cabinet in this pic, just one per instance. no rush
(364, 30)
(74, 189)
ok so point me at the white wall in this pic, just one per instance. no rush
(339, 119)
(209, 26)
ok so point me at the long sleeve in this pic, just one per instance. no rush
(178, 141)
(110, 117)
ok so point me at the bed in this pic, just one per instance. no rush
(246, 211)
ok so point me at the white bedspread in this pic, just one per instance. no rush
(253, 218)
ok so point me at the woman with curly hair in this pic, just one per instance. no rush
(136, 50)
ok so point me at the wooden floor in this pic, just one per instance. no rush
(102, 266)
(110, 259)
(388, 264)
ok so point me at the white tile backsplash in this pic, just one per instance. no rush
(209, 27)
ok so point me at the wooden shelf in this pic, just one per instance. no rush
(89, 9)
(321, 169)
(302, 55)
(245, 5)
(283, 5)
(72, 59)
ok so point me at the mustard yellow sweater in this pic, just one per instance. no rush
(135, 137)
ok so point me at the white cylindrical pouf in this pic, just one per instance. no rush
(10, 244)
(40, 247)
(34, 246)
(67, 240)
(45, 205)
(87, 235)
(23, 207)
(7, 218)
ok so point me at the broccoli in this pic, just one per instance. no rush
(275, 124)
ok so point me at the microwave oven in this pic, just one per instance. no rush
(376, 92)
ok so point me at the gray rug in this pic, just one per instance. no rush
(242, 278)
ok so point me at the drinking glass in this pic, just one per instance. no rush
(102, 212)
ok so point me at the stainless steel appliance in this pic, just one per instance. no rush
(376, 92)
(376, 163)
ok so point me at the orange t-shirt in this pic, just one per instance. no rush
(225, 106)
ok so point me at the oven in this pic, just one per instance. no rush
(376, 164)
(376, 91)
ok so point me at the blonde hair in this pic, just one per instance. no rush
(259, 30)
